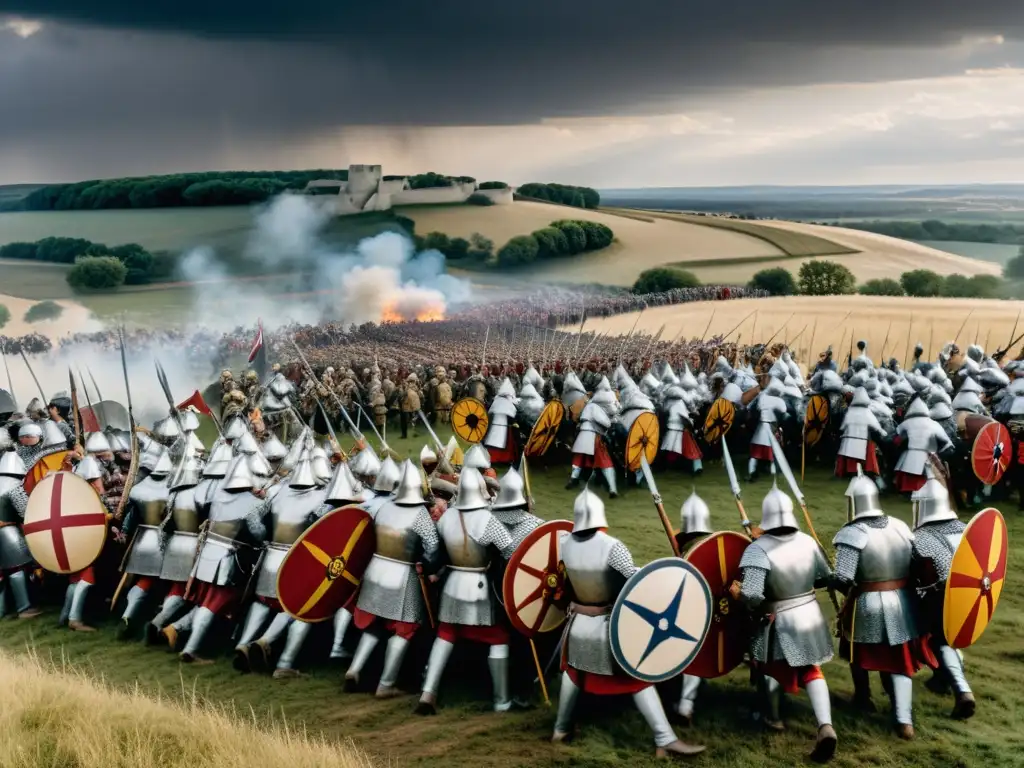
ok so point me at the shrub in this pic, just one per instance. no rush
(409, 225)
(580, 197)
(1013, 269)
(825, 278)
(776, 281)
(921, 282)
(552, 241)
(96, 273)
(5, 315)
(598, 235)
(574, 234)
(477, 199)
(977, 287)
(163, 265)
(885, 286)
(437, 241)
(429, 180)
(493, 185)
(518, 251)
(45, 310)
(985, 286)
(458, 248)
(664, 279)
(480, 248)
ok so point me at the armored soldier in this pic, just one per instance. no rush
(379, 404)
(500, 439)
(443, 396)
(233, 403)
(596, 568)
(144, 513)
(695, 525)
(770, 409)
(937, 534)
(511, 508)
(678, 442)
(921, 436)
(410, 397)
(31, 446)
(780, 571)
(291, 510)
(860, 430)
(391, 594)
(469, 610)
(224, 562)
(589, 450)
(15, 558)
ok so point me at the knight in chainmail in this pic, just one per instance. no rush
(780, 572)
(695, 526)
(15, 558)
(511, 508)
(225, 560)
(391, 596)
(596, 569)
(937, 534)
(879, 629)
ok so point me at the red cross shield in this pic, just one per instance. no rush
(65, 523)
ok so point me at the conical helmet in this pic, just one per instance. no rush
(777, 511)
(258, 464)
(295, 449)
(506, 389)
(916, 409)
(119, 443)
(427, 456)
(89, 468)
(454, 453)
(96, 442)
(35, 405)
(477, 457)
(511, 491)
(235, 428)
(588, 512)
(930, 502)
(166, 430)
(220, 461)
(151, 455)
(387, 477)
(321, 465)
(52, 436)
(343, 488)
(862, 498)
(187, 472)
(246, 443)
(189, 420)
(694, 516)
(302, 476)
(239, 476)
(163, 466)
(861, 399)
(409, 492)
(273, 448)
(11, 464)
(471, 494)
(270, 402)
(365, 463)
(30, 429)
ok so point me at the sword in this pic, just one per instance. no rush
(734, 484)
(649, 476)
(27, 365)
(10, 382)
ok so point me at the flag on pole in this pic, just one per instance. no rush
(258, 354)
(257, 344)
(196, 402)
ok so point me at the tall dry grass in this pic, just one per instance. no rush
(55, 716)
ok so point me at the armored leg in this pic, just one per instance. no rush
(752, 468)
(19, 590)
(862, 689)
(394, 655)
(568, 693)
(185, 623)
(134, 602)
(364, 651)
(609, 478)
(665, 740)
(297, 632)
(261, 652)
(772, 699)
(78, 608)
(171, 606)
(200, 624)
(497, 660)
(825, 747)
(902, 700)
(698, 466)
(254, 621)
(574, 478)
(688, 700)
(69, 598)
(440, 652)
(953, 666)
(342, 621)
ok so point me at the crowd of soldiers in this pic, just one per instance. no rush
(207, 529)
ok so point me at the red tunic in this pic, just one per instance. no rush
(599, 460)
(847, 467)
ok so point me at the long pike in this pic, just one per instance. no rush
(999, 355)
(75, 411)
(741, 322)
(38, 386)
(881, 352)
(734, 484)
(962, 326)
(10, 381)
(666, 524)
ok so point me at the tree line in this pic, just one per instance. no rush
(943, 231)
(578, 197)
(96, 265)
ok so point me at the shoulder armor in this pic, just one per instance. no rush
(852, 535)
(755, 557)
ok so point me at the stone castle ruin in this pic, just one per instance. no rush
(367, 190)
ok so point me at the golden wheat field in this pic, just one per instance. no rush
(55, 716)
(811, 323)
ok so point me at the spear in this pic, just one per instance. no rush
(910, 328)
(622, 349)
(74, 411)
(483, 355)
(791, 342)
(733, 329)
(734, 484)
(579, 335)
(654, 340)
(10, 382)
(957, 337)
(88, 400)
(814, 333)
(41, 395)
(649, 476)
(881, 352)
(708, 326)
(533, 646)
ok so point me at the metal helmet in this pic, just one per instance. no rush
(96, 442)
(470, 494)
(506, 390)
(453, 452)
(975, 352)
(477, 457)
(166, 429)
(409, 492)
(258, 464)
(777, 511)
(916, 409)
(119, 443)
(427, 456)
(35, 405)
(220, 461)
(30, 429)
(343, 487)
(511, 491)
(321, 465)
(11, 465)
(239, 477)
(387, 477)
(295, 449)
(5, 439)
(52, 436)
(365, 463)
(273, 448)
(695, 516)
(246, 444)
(150, 455)
(302, 476)
(89, 468)
(588, 512)
(188, 471)
(930, 502)
(189, 420)
(860, 399)
(270, 402)
(234, 429)
(163, 466)
(862, 498)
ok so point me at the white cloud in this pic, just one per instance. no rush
(23, 28)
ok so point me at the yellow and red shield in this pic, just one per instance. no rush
(324, 567)
(815, 419)
(719, 420)
(577, 407)
(469, 420)
(991, 453)
(976, 579)
(718, 559)
(42, 468)
(642, 440)
(65, 523)
(534, 581)
(543, 434)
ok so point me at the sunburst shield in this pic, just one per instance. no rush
(719, 420)
(533, 587)
(469, 420)
(976, 578)
(642, 440)
(544, 431)
(660, 620)
(815, 419)
(991, 453)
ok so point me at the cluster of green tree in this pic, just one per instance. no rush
(1014, 268)
(579, 197)
(661, 279)
(942, 230)
(140, 266)
(477, 199)
(44, 310)
(493, 185)
(171, 191)
(432, 179)
(827, 278)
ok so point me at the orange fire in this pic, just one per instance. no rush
(429, 314)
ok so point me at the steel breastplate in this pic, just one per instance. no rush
(184, 513)
(229, 511)
(396, 539)
(460, 542)
(593, 581)
(886, 556)
(793, 559)
(291, 513)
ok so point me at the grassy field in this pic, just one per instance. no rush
(466, 733)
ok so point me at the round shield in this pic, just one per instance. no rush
(815, 419)
(577, 407)
(718, 559)
(542, 436)
(719, 420)
(532, 587)
(991, 453)
(469, 420)
(322, 570)
(976, 579)
(660, 620)
(65, 523)
(642, 440)
(44, 466)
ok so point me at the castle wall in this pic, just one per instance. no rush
(431, 196)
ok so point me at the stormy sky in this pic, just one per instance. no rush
(601, 92)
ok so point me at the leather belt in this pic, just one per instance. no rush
(589, 610)
(883, 586)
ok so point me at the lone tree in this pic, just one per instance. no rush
(776, 281)
(97, 273)
(921, 282)
(664, 279)
(1014, 268)
(825, 278)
